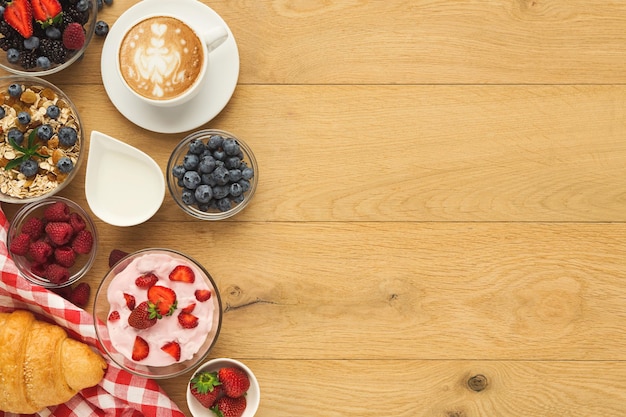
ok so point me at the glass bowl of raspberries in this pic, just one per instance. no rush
(157, 313)
(53, 242)
(225, 386)
(212, 174)
(41, 37)
(42, 144)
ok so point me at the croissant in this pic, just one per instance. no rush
(40, 365)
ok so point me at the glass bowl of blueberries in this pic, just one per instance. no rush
(43, 37)
(212, 174)
(42, 145)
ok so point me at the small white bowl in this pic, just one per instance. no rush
(253, 396)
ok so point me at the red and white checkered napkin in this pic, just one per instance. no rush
(119, 393)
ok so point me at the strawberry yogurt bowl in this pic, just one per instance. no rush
(157, 313)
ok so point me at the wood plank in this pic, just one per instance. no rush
(338, 388)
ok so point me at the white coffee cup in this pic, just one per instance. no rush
(163, 61)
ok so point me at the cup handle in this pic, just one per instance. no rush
(215, 37)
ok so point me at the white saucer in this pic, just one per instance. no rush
(221, 80)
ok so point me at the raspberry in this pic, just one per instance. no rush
(83, 242)
(65, 256)
(80, 295)
(77, 222)
(33, 227)
(74, 36)
(57, 212)
(59, 233)
(38, 269)
(115, 256)
(20, 244)
(39, 251)
(57, 274)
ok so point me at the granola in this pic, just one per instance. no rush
(35, 100)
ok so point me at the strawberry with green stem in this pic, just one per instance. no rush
(47, 12)
(206, 388)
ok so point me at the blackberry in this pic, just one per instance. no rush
(76, 16)
(8, 43)
(28, 59)
(7, 30)
(54, 50)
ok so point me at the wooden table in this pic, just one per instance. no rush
(442, 196)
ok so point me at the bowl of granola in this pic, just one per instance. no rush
(43, 37)
(41, 142)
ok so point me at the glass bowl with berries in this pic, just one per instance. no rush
(223, 384)
(212, 174)
(53, 242)
(41, 37)
(41, 148)
(157, 313)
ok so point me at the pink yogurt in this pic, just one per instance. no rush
(167, 329)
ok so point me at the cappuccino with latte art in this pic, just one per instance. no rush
(161, 58)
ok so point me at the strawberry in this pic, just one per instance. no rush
(187, 320)
(83, 242)
(65, 256)
(140, 349)
(57, 212)
(182, 273)
(230, 407)
(164, 300)
(20, 244)
(206, 388)
(74, 36)
(234, 380)
(77, 222)
(189, 308)
(57, 274)
(33, 227)
(173, 349)
(80, 294)
(146, 280)
(130, 301)
(39, 251)
(114, 315)
(115, 256)
(19, 15)
(46, 12)
(202, 295)
(59, 233)
(142, 317)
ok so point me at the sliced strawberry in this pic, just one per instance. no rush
(46, 12)
(146, 280)
(130, 301)
(19, 15)
(173, 349)
(202, 295)
(140, 349)
(163, 298)
(114, 315)
(189, 308)
(187, 320)
(183, 273)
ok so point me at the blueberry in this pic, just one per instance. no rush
(53, 32)
(1, 11)
(220, 175)
(23, 117)
(31, 43)
(234, 175)
(220, 191)
(16, 135)
(43, 62)
(53, 111)
(2, 112)
(100, 4)
(102, 28)
(29, 167)
(215, 142)
(188, 197)
(208, 180)
(219, 155)
(65, 165)
(191, 180)
(238, 199)
(44, 132)
(223, 204)
(231, 147)
(245, 185)
(235, 189)
(190, 161)
(82, 5)
(178, 171)
(67, 136)
(232, 162)
(15, 90)
(13, 55)
(203, 193)
(206, 165)
(108, 2)
(247, 173)
(196, 147)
